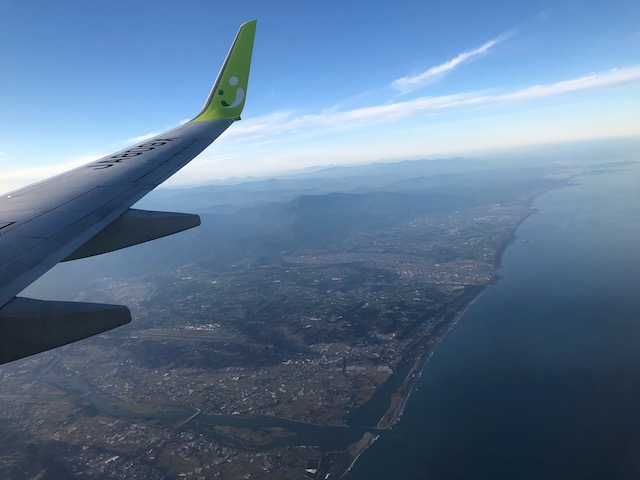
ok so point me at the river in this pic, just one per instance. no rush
(540, 378)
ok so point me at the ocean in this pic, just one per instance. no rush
(540, 378)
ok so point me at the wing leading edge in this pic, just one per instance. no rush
(86, 212)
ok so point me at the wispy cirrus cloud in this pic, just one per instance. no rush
(140, 138)
(310, 124)
(411, 83)
(13, 180)
(255, 133)
(147, 136)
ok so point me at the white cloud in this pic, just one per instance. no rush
(272, 142)
(617, 76)
(147, 136)
(141, 138)
(310, 124)
(415, 82)
(10, 181)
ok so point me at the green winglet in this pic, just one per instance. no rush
(229, 91)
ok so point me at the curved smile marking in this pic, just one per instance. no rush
(233, 81)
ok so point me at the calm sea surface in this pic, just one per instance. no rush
(540, 379)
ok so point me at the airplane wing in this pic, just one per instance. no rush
(86, 212)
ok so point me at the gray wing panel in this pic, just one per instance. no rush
(45, 222)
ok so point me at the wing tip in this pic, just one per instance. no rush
(228, 94)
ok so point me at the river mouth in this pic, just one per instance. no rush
(327, 437)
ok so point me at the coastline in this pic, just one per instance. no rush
(395, 414)
(428, 344)
(408, 432)
(400, 398)
(529, 443)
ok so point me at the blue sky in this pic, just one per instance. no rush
(332, 82)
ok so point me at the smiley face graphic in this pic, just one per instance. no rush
(233, 81)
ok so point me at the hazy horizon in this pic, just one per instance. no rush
(331, 83)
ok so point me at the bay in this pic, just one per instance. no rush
(541, 376)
